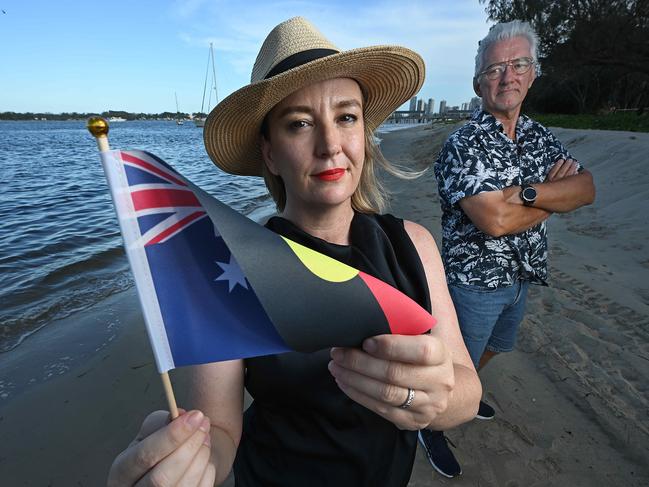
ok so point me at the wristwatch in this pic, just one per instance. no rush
(528, 194)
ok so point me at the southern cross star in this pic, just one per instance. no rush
(232, 273)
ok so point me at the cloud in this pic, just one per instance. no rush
(444, 33)
(187, 8)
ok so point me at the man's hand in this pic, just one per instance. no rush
(562, 169)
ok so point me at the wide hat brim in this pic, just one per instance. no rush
(388, 75)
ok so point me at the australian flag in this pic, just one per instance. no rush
(198, 305)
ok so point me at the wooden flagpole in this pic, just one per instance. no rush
(169, 393)
(98, 127)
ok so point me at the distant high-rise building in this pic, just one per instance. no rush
(442, 107)
(420, 105)
(475, 103)
(413, 103)
(431, 107)
(465, 106)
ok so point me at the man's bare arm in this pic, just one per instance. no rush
(567, 194)
(500, 213)
(497, 213)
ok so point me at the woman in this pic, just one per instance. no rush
(339, 416)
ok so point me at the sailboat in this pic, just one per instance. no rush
(200, 122)
(178, 119)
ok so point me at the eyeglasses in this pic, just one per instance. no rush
(520, 66)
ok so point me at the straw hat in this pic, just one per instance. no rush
(294, 55)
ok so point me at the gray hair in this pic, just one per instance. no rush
(504, 31)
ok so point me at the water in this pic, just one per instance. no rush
(60, 246)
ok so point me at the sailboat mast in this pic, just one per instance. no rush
(178, 119)
(200, 122)
(207, 71)
(216, 93)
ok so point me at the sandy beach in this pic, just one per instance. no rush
(572, 401)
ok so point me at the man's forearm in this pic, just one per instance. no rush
(517, 217)
(566, 194)
(499, 213)
(502, 212)
(558, 196)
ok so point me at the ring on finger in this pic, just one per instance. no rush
(408, 402)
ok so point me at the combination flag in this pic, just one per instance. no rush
(214, 285)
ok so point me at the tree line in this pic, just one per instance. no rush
(593, 54)
(107, 114)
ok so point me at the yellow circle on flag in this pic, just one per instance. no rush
(321, 265)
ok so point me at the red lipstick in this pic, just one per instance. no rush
(331, 174)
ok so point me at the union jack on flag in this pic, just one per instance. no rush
(157, 192)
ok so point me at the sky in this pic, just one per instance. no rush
(74, 56)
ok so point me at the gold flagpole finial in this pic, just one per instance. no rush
(98, 127)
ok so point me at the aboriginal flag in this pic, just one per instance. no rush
(214, 285)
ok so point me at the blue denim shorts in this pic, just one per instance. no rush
(489, 317)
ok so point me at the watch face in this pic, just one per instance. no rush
(529, 194)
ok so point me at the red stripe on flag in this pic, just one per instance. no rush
(150, 167)
(175, 227)
(404, 315)
(147, 199)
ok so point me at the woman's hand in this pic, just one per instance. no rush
(380, 375)
(167, 453)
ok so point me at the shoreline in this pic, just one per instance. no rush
(571, 401)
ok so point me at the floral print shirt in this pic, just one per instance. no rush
(479, 157)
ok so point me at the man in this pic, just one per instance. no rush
(500, 177)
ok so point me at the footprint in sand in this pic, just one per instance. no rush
(591, 230)
(644, 295)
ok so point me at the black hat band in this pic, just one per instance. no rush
(298, 59)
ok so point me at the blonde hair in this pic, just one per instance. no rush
(371, 196)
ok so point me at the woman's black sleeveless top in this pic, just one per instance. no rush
(301, 430)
